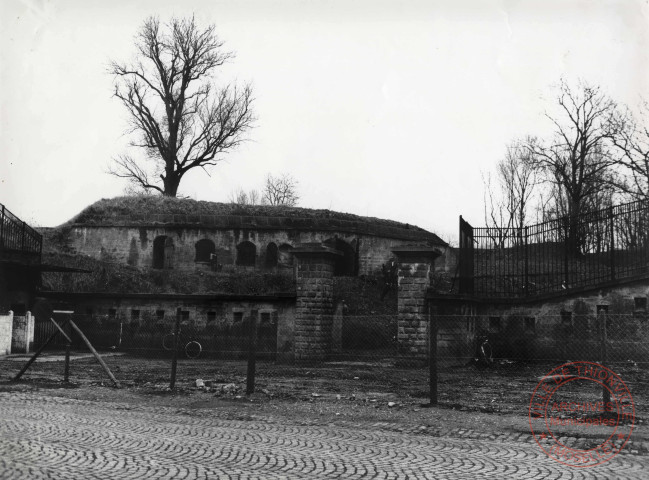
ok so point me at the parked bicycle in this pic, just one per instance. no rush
(191, 347)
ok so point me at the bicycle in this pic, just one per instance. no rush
(192, 348)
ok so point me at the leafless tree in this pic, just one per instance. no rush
(632, 143)
(179, 118)
(280, 190)
(509, 207)
(578, 160)
(241, 197)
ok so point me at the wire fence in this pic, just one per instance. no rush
(478, 356)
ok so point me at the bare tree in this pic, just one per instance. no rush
(509, 208)
(280, 190)
(241, 197)
(632, 143)
(180, 119)
(578, 159)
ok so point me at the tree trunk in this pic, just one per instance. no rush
(171, 183)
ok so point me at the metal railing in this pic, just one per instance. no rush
(17, 236)
(570, 252)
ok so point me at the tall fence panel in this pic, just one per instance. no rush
(570, 252)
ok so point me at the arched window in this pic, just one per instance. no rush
(271, 255)
(204, 250)
(246, 254)
(346, 263)
(285, 257)
(163, 252)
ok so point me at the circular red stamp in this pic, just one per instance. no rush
(581, 414)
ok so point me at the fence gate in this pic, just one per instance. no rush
(465, 262)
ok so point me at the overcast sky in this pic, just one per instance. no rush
(387, 109)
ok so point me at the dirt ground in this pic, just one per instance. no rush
(489, 400)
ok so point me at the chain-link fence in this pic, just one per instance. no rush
(475, 354)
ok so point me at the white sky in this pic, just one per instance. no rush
(388, 109)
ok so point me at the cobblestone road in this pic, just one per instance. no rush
(50, 437)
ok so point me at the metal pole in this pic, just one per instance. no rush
(174, 359)
(432, 362)
(252, 353)
(66, 371)
(612, 223)
(527, 267)
(606, 394)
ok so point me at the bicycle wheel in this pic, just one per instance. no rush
(168, 341)
(193, 349)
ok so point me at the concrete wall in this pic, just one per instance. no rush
(6, 327)
(135, 245)
(23, 334)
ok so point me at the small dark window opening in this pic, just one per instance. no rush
(271, 255)
(265, 317)
(602, 308)
(112, 313)
(237, 316)
(494, 324)
(211, 316)
(160, 314)
(135, 314)
(640, 304)
(246, 254)
(204, 250)
(530, 324)
(184, 315)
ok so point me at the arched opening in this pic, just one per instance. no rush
(246, 254)
(271, 255)
(346, 263)
(285, 256)
(163, 252)
(204, 250)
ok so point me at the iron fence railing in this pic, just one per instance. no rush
(16, 235)
(561, 254)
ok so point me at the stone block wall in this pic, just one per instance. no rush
(6, 327)
(22, 334)
(314, 302)
(414, 267)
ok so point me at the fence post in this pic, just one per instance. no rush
(527, 266)
(432, 361)
(603, 316)
(252, 353)
(66, 371)
(174, 358)
(2, 226)
(612, 223)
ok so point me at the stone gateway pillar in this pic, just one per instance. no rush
(314, 302)
(415, 264)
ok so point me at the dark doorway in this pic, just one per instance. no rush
(345, 265)
(246, 254)
(163, 252)
(271, 255)
(204, 250)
